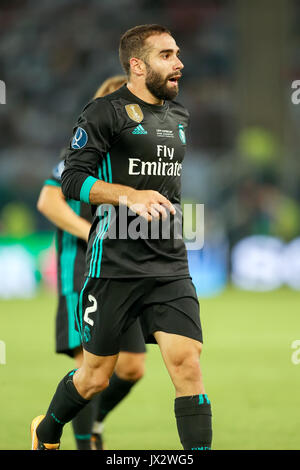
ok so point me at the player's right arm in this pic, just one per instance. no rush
(146, 203)
(95, 130)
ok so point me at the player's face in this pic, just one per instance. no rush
(163, 67)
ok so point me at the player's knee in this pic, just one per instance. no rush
(198, 348)
(133, 371)
(98, 383)
(188, 368)
(190, 354)
(186, 365)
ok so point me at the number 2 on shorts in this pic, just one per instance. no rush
(89, 310)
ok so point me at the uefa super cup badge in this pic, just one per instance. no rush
(80, 139)
(181, 134)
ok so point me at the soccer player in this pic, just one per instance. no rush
(73, 221)
(125, 159)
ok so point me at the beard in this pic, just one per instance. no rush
(158, 86)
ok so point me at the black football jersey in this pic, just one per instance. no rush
(123, 140)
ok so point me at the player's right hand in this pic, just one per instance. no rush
(150, 204)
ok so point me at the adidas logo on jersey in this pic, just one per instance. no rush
(139, 130)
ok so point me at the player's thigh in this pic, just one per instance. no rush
(175, 347)
(78, 356)
(93, 363)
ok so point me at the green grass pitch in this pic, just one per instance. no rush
(248, 372)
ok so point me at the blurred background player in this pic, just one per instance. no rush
(73, 221)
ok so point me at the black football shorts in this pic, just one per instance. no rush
(68, 338)
(109, 307)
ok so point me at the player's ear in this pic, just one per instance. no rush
(137, 66)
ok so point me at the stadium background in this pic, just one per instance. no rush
(241, 59)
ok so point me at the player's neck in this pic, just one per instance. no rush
(139, 90)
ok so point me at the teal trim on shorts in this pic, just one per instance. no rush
(73, 335)
(67, 265)
(80, 305)
(50, 182)
(86, 188)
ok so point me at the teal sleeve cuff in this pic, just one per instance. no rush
(86, 188)
(50, 182)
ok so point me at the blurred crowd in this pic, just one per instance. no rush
(53, 56)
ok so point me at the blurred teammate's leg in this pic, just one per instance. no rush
(130, 366)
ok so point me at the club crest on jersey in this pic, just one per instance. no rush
(80, 139)
(134, 112)
(86, 334)
(181, 134)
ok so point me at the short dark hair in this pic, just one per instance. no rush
(132, 43)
